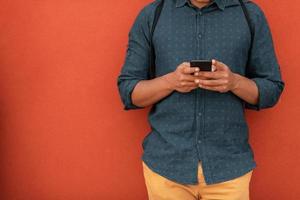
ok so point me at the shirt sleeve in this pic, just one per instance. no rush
(135, 67)
(263, 67)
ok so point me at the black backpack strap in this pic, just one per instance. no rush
(152, 52)
(246, 13)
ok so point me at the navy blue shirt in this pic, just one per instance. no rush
(202, 124)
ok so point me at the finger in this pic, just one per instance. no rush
(188, 84)
(197, 80)
(183, 65)
(196, 74)
(194, 87)
(211, 75)
(213, 68)
(217, 82)
(190, 88)
(190, 78)
(219, 65)
(212, 88)
(186, 64)
(190, 70)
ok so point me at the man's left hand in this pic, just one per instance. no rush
(221, 79)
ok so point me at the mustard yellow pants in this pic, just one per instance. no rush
(161, 188)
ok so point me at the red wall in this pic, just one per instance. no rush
(64, 134)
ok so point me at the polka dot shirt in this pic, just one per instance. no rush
(201, 125)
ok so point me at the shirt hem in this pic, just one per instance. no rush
(208, 182)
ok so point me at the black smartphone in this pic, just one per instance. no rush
(203, 65)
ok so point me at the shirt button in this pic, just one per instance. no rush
(199, 35)
(199, 141)
(200, 114)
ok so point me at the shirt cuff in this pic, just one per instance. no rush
(128, 105)
(258, 106)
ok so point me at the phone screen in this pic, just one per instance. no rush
(203, 65)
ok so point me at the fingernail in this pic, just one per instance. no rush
(213, 68)
(197, 69)
(197, 80)
(196, 74)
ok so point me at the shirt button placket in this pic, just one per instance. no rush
(199, 138)
(199, 55)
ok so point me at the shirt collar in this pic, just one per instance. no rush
(220, 3)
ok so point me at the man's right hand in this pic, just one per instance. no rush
(182, 79)
(148, 92)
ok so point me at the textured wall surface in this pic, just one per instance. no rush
(63, 132)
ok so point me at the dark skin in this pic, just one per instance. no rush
(185, 79)
(200, 3)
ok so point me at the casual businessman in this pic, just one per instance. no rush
(198, 145)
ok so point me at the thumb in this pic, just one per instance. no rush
(218, 65)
